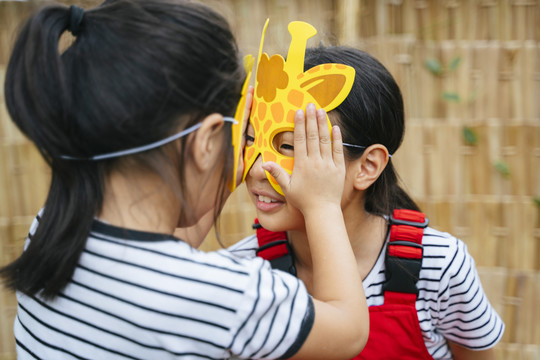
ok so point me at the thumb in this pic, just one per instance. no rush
(279, 174)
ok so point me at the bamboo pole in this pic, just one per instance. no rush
(455, 182)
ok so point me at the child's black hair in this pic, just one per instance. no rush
(372, 113)
(138, 71)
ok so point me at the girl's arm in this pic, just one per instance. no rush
(341, 325)
(462, 353)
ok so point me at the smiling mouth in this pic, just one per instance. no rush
(266, 199)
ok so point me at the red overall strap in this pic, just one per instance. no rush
(274, 247)
(271, 245)
(395, 331)
(404, 255)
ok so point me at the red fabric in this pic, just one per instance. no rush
(397, 298)
(394, 330)
(273, 252)
(264, 237)
(406, 233)
(404, 251)
(409, 215)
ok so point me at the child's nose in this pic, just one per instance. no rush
(257, 171)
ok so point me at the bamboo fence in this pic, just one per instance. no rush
(470, 76)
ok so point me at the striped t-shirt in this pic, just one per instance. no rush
(451, 303)
(139, 295)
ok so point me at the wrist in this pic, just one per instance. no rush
(321, 211)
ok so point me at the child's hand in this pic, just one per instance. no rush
(319, 168)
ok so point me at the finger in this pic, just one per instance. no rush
(281, 176)
(299, 134)
(312, 132)
(337, 146)
(325, 141)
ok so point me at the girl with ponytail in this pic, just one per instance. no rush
(423, 291)
(135, 121)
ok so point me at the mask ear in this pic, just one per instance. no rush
(329, 84)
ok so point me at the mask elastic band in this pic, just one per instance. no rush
(143, 148)
(359, 147)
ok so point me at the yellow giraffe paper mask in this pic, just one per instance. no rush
(238, 128)
(282, 87)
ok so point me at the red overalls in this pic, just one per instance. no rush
(394, 330)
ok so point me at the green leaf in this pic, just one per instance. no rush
(454, 63)
(433, 65)
(502, 168)
(473, 96)
(470, 136)
(536, 200)
(451, 96)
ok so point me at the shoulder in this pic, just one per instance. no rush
(445, 257)
(445, 260)
(440, 249)
(35, 222)
(245, 248)
(438, 241)
(33, 227)
(451, 298)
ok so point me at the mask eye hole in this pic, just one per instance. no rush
(249, 135)
(283, 143)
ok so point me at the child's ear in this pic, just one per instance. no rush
(370, 166)
(207, 140)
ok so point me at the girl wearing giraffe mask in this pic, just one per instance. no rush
(444, 309)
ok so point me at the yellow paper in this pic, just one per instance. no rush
(238, 128)
(282, 87)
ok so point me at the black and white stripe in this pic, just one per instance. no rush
(137, 295)
(451, 303)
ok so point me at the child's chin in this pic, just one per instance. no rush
(269, 224)
(276, 225)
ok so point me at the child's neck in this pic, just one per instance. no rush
(367, 234)
(139, 202)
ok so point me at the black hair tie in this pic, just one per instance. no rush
(76, 15)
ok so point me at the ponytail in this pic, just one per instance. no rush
(36, 91)
(38, 99)
(48, 263)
